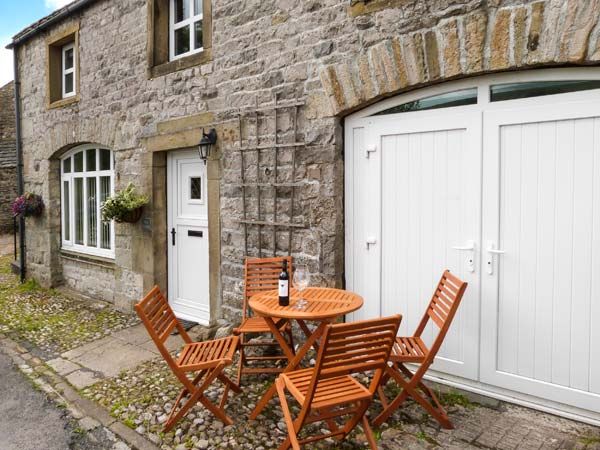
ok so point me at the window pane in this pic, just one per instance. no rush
(66, 211)
(458, 98)
(196, 188)
(197, 7)
(69, 59)
(67, 165)
(79, 211)
(197, 35)
(68, 83)
(104, 226)
(512, 91)
(78, 162)
(104, 159)
(182, 10)
(182, 40)
(90, 160)
(92, 212)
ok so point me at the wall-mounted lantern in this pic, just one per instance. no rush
(207, 143)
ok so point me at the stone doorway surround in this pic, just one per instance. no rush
(177, 134)
(545, 33)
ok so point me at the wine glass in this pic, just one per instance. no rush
(301, 280)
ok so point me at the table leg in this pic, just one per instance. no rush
(287, 350)
(307, 333)
(293, 364)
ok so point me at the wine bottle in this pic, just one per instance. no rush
(284, 285)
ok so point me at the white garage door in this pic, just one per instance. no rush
(497, 164)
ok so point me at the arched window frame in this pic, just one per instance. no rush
(88, 233)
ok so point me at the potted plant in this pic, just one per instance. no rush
(124, 206)
(28, 205)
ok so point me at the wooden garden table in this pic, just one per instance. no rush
(323, 305)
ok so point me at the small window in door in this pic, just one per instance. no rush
(514, 91)
(447, 100)
(195, 188)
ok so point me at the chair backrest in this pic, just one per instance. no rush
(262, 274)
(442, 307)
(159, 319)
(356, 347)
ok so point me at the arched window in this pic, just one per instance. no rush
(87, 180)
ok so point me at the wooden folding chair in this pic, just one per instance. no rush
(441, 310)
(328, 391)
(207, 358)
(261, 274)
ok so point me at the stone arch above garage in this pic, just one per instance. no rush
(539, 34)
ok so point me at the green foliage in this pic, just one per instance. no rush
(123, 202)
(454, 398)
(589, 440)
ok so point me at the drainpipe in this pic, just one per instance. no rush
(20, 183)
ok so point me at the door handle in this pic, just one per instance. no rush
(491, 251)
(468, 247)
(173, 233)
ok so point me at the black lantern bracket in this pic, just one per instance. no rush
(207, 143)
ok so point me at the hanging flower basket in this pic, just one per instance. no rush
(124, 206)
(28, 205)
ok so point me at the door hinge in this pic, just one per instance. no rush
(370, 150)
(173, 233)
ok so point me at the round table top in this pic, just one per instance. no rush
(321, 304)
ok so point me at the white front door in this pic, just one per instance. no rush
(188, 236)
(541, 207)
(422, 216)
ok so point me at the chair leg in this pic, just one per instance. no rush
(369, 433)
(241, 360)
(292, 438)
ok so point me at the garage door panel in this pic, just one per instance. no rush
(545, 312)
(594, 352)
(424, 208)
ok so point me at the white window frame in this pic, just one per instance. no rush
(69, 244)
(190, 21)
(71, 70)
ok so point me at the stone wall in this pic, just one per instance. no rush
(8, 157)
(335, 55)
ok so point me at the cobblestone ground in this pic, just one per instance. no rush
(50, 321)
(142, 398)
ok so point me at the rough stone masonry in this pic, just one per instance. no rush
(8, 157)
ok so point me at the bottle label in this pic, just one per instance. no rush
(283, 288)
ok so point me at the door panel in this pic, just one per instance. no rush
(422, 199)
(188, 248)
(541, 207)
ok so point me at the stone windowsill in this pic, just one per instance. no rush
(180, 64)
(64, 102)
(88, 259)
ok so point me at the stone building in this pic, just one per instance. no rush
(308, 100)
(8, 157)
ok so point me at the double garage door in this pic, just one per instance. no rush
(497, 180)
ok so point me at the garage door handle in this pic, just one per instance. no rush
(470, 246)
(491, 251)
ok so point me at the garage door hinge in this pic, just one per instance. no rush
(370, 150)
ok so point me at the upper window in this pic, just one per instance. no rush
(63, 68)
(68, 70)
(185, 27)
(513, 91)
(447, 100)
(87, 180)
(180, 36)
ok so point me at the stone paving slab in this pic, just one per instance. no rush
(82, 379)
(62, 366)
